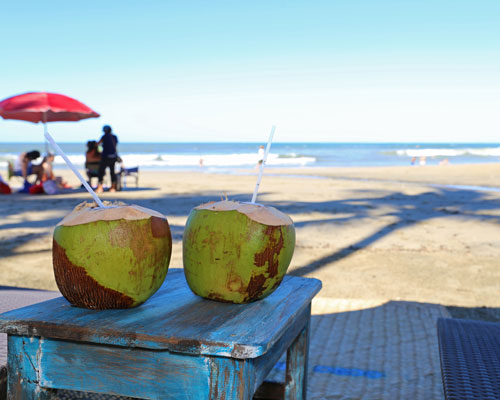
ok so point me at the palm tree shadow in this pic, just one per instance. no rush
(406, 211)
(346, 251)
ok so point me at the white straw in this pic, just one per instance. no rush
(75, 171)
(254, 197)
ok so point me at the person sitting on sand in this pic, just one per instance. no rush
(92, 160)
(93, 155)
(47, 161)
(23, 165)
(48, 172)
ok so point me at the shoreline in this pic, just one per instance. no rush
(460, 175)
(485, 175)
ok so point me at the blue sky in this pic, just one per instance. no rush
(338, 70)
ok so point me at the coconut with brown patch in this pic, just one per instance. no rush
(113, 257)
(236, 252)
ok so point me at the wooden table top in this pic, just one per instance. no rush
(173, 319)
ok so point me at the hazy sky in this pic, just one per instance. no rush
(337, 70)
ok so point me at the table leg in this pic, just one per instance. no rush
(23, 367)
(296, 366)
(230, 379)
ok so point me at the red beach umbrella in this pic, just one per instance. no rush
(44, 107)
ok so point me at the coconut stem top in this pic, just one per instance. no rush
(258, 212)
(85, 213)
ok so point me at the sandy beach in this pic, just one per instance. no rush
(395, 233)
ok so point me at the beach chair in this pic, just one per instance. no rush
(124, 173)
(92, 170)
(11, 173)
(470, 358)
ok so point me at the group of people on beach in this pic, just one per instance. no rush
(45, 179)
(96, 163)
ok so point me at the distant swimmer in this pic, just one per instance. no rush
(422, 160)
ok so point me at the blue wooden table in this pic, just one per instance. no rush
(175, 346)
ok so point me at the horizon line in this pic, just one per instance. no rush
(260, 142)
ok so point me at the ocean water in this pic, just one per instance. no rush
(227, 157)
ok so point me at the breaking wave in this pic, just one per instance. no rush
(443, 152)
(173, 160)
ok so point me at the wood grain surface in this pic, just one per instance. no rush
(173, 319)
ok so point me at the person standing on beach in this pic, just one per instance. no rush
(109, 157)
(260, 156)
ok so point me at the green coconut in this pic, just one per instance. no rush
(114, 257)
(236, 252)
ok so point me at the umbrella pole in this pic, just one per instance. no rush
(45, 136)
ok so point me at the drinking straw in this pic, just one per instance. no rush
(75, 171)
(254, 197)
